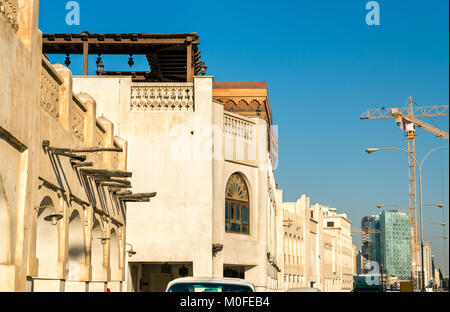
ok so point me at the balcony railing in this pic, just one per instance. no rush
(165, 97)
(9, 9)
(50, 88)
(78, 117)
(99, 135)
(238, 127)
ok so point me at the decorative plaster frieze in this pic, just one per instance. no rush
(49, 92)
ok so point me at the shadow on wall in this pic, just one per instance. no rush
(76, 247)
(47, 240)
(5, 239)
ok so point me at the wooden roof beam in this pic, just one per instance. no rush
(117, 39)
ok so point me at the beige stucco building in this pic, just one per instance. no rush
(215, 213)
(62, 172)
(70, 218)
(318, 248)
(338, 227)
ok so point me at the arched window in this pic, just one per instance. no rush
(237, 210)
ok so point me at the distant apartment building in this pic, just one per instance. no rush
(338, 226)
(355, 252)
(395, 248)
(301, 243)
(359, 262)
(427, 262)
(317, 245)
(436, 276)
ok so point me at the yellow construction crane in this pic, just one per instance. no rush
(365, 231)
(406, 116)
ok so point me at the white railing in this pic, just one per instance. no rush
(9, 9)
(166, 97)
(238, 127)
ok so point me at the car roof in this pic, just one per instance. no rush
(303, 289)
(222, 280)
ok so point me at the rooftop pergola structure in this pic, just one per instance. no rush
(172, 58)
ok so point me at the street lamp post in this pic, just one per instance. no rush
(443, 224)
(372, 150)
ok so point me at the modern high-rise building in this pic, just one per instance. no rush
(395, 251)
(370, 226)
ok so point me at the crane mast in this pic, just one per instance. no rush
(411, 136)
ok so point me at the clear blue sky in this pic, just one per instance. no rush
(323, 66)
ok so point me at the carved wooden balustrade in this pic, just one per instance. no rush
(238, 127)
(50, 88)
(167, 97)
(9, 9)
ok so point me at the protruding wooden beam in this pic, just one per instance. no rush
(50, 185)
(76, 164)
(79, 201)
(85, 150)
(115, 185)
(117, 190)
(145, 200)
(8, 137)
(107, 173)
(74, 156)
(137, 196)
(122, 193)
(107, 179)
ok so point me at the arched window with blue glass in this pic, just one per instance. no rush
(237, 208)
